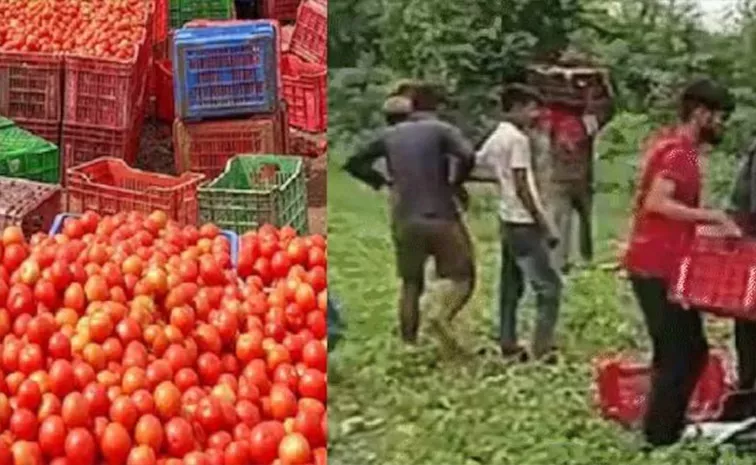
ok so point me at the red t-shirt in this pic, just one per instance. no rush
(657, 243)
(571, 143)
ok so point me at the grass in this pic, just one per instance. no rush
(388, 405)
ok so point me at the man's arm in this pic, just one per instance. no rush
(521, 162)
(660, 199)
(463, 152)
(361, 164)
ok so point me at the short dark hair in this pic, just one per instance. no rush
(707, 94)
(514, 94)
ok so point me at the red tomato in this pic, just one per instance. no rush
(236, 453)
(23, 424)
(123, 411)
(75, 410)
(178, 437)
(264, 441)
(315, 355)
(28, 396)
(115, 444)
(52, 436)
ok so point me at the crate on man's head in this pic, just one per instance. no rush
(255, 190)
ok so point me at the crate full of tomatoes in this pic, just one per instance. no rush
(127, 339)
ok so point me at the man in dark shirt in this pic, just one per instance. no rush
(425, 217)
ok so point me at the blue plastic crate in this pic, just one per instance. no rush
(226, 70)
(232, 237)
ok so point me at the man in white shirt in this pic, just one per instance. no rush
(527, 230)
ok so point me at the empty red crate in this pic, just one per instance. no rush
(306, 144)
(718, 274)
(108, 186)
(164, 91)
(101, 92)
(31, 86)
(623, 385)
(205, 147)
(310, 37)
(282, 10)
(305, 92)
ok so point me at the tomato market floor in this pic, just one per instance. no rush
(156, 155)
(389, 405)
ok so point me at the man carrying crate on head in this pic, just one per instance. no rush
(666, 212)
(579, 102)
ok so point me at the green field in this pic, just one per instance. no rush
(388, 405)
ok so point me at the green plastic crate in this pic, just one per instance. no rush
(24, 155)
(255, 190)
(6, 123)
(183, 11)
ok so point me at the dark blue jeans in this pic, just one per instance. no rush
(336, 324)
(525, 257)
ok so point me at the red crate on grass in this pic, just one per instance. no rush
(718, 274)
(307, 144)
(163, 73)
(205, 147)
(108, 186)
(282, 10)
(101, 92)
(31, 86)
(310, 37)
(305, 92)
(623, 384)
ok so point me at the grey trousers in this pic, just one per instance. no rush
(565, 200)
(525, 257)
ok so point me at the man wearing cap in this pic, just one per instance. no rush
(425, 216)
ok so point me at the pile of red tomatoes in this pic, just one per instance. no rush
(130, 340)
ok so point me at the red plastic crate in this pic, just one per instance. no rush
(310, 37)
(282, 10)
(31, 86)
(164, 91)
(286, 33)
(205, 147)
(160, 21)
(305, 91)
(85, 142)
(306, 144)
(31, 205)
(623, 385)
(719, 275)
(48, 130)
(101, 92)
(108, 186)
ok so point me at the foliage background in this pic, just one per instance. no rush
(391, 407)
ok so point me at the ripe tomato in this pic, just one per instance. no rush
(80, 447)
(141, 455)
(294, 450)
(264, 441)
(115, 444)
(209, 415)
(23, 424)
(149, 432)
(28, 395)
(97, 398)
(179, 437)
(167, 400)
(315, 355)
(52, 436)
(62, 377)
(236, 453)
(209, 368)
(123, 411)
(313, 384)
(75, 410)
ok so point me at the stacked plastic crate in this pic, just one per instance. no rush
(305, 78)
(104, 103)
(226, 94)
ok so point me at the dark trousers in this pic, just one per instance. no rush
(247, 9)
(567, 199)
(680, 354)
(745, 346)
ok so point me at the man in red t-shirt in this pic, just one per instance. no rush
(665, 214)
